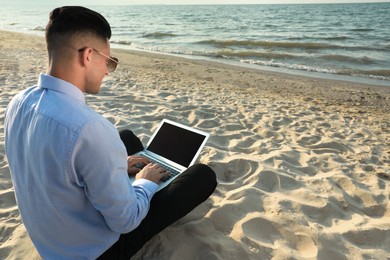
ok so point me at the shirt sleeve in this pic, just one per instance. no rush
(100, 167)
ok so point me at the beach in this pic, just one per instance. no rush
(303, 164)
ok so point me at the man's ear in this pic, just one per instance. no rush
(86, 56)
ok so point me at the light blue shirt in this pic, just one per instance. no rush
(69, 170)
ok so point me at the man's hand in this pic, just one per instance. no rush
(135, 164)
(152, 172)
(143, 169)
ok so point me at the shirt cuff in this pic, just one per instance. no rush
(146, 185)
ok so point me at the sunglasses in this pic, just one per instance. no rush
(111, 62)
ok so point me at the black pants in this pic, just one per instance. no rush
(168, 205)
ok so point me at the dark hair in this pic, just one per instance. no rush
(71, 20)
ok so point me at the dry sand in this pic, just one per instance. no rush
(303, 164)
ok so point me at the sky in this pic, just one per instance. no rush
(180, 2)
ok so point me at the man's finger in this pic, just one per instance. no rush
(133, 171)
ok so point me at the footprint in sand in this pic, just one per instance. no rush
(235, 171)
(306, 246)
(329, 147)
(306, 139)
(7, 199)
(271, 181)
(370, 237)
(325, 213)
(260, 230)
(280, 121)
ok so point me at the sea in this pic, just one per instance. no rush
(341, 41)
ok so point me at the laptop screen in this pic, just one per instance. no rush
(176, 144)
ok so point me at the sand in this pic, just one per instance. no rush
(303, 164)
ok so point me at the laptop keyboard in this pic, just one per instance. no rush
(171, 172)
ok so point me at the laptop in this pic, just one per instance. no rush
(175, 147)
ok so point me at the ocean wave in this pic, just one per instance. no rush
(372, 74)
(288, 45)
(289, 66)
(247, 54)
(362, 30)
(377, 74)
(158, 35)
(361, 60)
(38, 28)
(121, 42)
(326, 38)
(267, 44)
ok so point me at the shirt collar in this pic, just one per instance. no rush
(59, 85)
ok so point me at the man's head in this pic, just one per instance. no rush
(71, 21)
(78, 45)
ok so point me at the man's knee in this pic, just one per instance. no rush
(131, 141)
(205, 174)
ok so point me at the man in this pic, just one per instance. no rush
(70, 166)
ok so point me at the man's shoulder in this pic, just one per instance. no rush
(21, 95)
(52, 106)
(73, 115)
(18, 101)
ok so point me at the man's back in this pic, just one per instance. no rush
(43, 131)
